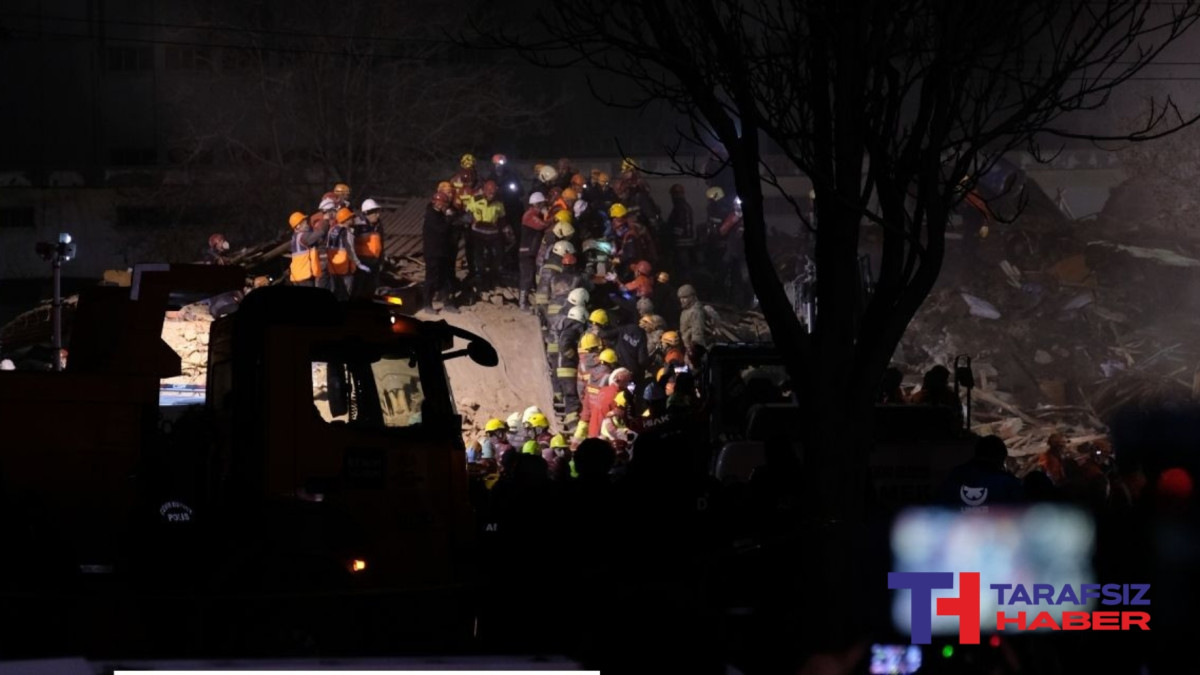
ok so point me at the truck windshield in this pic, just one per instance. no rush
(367, 386)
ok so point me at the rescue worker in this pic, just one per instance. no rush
(601, 327)
(1053, 461)
(589, 363)
(546, 179)
(693, 322)
(681, 226)
(669, 341)
(633, 243)
(466, 173)
(534, 224)
(539, 431)
(642, 284)
(565, 202)
(666, 300)
(218, 248)
(439, 251)
(567, 373)
(515, 434)
(552, 266)
(599, 194)
(488, 234)
(613, 427)
(305, 267)
(461, 200)
(655, 326)
(594, 405)
(343, 261)
(618, 381)
(734, 276)
(558, 457)
(634, 192)
(561, 229)
(631, 347)
(566, 173)
(368, 245)
(322, 222)
(562, 284)
(530, 448)
(341, 195)
(720, 205)
(495, 443)
(506, 177)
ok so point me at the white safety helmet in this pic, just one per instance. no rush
(514, 420)
(562, 247)
(530, 412)
(370, 205)
(578, 313)
(548, 174)
(578, 297)
(564, 230)
(537, 198)
(327, 205)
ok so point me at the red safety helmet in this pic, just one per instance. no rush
(441, 200)
(499, 159)
(568, 259)
(216, 240)
(642, 267)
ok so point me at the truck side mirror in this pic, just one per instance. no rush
(482, 352)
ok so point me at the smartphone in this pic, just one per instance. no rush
(895, 659)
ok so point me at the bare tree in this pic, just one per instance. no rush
(280, 100)
(892, 108)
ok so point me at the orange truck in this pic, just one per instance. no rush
(314, 497)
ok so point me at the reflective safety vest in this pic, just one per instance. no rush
(306, 262)
(368, 241)
(341, 262)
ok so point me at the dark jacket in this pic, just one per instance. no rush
(568, 343)
(681, 222)
(631, 349)
(976, 484)
(436, 234)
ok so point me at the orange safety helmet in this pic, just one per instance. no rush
(602, 179)
(569, 195)
(569, 259)
(344, 215)
(663, 277)
(342, 190)
(674, 356)
(296, 218)
(577, 181)
(445, 187)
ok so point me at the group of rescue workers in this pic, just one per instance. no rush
(592, 259)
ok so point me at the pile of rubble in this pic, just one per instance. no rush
(1065, 324)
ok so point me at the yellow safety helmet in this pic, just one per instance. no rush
(296, 218)
(467, 161)
(564, 230)
(588, 342)
(559, 441)
(608, 356)
(495, 424)
(531, 448)
(670, 338)
(620, 400)
(539, 420)
(714, 193)
(341, 190)
(617, 211)
(599, 316)
(563, 216)
(627, 164)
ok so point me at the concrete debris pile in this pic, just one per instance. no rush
(1062, 330)
(186, 332)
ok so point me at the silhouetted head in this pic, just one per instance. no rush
(936, 378)
(594, 458)
(991, 450)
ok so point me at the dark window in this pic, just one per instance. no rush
(16, 216)
(186, 57)
(131, 156)
(129, 59)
